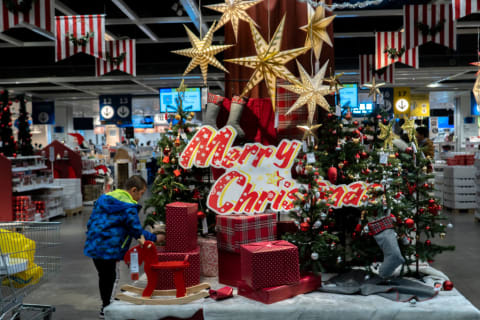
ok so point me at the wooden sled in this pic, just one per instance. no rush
(147, 254)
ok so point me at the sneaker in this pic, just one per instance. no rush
(101, 314)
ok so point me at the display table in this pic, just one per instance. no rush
(316, 305)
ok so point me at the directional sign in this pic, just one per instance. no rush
(116, 109)
(401, 100)
(43, 112)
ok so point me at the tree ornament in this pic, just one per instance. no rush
(269, 62)
(178, 117)
(442, 235)
(447, 285)
(339, 259)
(166, 159)
(355, 123)
(166, 150)
(387, 135)
(428, 243)
(338, 148)
(202, 53)
(450, 226)
(340, 165)
(314, 256)
(348, 115)
(173, 160)
(409, 150)
(323, 216)
(309, 131)
(304, 226)
(332, 174)
(409, 223)
(373, 86)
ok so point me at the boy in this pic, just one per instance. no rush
(113, 224)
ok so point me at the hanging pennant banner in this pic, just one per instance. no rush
(121, 55)
(40, 14)
(116, 109)
(43, 112)
(420, 105)
(401, 100)
(256, 175)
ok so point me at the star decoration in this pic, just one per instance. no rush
(274, 178)
(476, 90)
(309, 131)
(316, 30)
(409, 128)
(182, 87)
(269, 63)
(202, 52)
(311, 91)
(334, 82)
(387, 135)
(477, 63)
(233, 11)
(374, 88)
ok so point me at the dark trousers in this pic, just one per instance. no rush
(107, 277)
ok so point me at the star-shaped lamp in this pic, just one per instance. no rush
(477, 63)
(409, 128)
(311, 91)
(202, 52)
(269, 63)
(476, 90)
(334, 82)
(316, 30)
(373, 86)
(387, 135)
(309, 130)
(233, 11)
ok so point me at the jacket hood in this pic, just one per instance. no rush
(110, 204)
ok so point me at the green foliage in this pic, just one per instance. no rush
(6, 134)
(24, 137)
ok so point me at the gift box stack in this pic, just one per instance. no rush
(208, 256)
(181, 240)
(40, 207)
(234, 231)
(23, 208)
(270, 272)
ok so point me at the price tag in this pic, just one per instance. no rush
(183, 135)
(311, 157)
(304, 147)
(51, 154)
(383, 158)
(134, 268)
(204, 226)
(414, 147)
(338, 111)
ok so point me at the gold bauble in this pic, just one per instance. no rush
(309, 167)
(356, 140)
(392, 156)
(178, 117)
(340, 165)
(442, 235)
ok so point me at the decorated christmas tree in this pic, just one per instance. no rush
(172, 182)
(24, 136)
(7, 144)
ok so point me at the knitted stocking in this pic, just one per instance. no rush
(387, 241)
(236, 109)
(213, 107)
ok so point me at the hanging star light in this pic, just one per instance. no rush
(269, 63)
(409, 128)
(334, 82)
(311, 91)
(202, 52)
(477, 63)
(476, 90)
(374, 88)
(233, 11)
(387, 135)
(309, 130)
(316, 30)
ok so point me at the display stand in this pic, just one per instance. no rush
(65, 158)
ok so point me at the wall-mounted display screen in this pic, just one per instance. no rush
(349, 96)
(191, 102)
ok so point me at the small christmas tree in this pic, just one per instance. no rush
(174, 183)
(24, 136)
(7, 146)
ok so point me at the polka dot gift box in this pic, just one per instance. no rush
(268, 264)
(181, 227)
(192, 272)
(237, 229)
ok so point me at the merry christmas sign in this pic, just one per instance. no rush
(256, 175)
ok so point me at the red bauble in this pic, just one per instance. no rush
(428, 243)
(358, 228)
(200, 214)
(448, 285)
(379, 117)
(409, 150)
(304, 226)
(348, 116)
(5, 109)
(332, 174)
(385, 121)
(409, 223)
(398, 195)
(364, 155)
(334, 132)
(421, 210)
(355, 123)
(330, 115)
(431, 201)
(426, 185)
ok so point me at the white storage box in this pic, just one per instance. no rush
(458, 172)
(469, 197)
(460, 204)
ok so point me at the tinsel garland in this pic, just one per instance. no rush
(344, 5)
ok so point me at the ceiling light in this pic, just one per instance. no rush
(433, 85)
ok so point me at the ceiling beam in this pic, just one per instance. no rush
(368, 13)
(133, 16)
(194, 13)
(69, 86)
(145, 86)
(12, 41)
(40, 31)
(157, 20)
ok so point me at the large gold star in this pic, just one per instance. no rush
(334, 82)
(409, 128)
(202, 52)
(374, 88)
(309, 130)
(316, 30)
(387, 135)
(311, 91)
(233, 11)
(476, 90)
(269, 63)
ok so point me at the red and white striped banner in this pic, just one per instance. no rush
(114, 50)
(79, 27)
(464, 8)
(366, 70)
(431, 16)
(40, 15)
(393, 40)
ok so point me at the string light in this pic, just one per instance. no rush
(343, 5)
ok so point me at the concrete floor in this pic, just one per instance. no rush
(75, 294)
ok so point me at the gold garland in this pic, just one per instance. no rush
(17, 6)
(82, 41)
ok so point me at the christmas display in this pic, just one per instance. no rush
(316, 30)
(24, 140)
(7, 143)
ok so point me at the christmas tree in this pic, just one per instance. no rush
(172, 182)
(7, 144)
(24, 136)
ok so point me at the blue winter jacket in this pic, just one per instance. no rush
(113, 224)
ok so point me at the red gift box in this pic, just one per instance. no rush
(208, 256)
(274, 294)
(229, 270)
(237, 229)
(181, 227)
(192, 272)
(284, 227)
(270, 263)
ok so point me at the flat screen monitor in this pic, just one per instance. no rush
(443, 123)
(191, 102)
(349, 96)
(474, 108)
(362, 109)
(140, 121)
(82, 123)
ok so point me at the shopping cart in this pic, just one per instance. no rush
(26, 261)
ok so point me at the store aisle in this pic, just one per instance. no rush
(75, 295)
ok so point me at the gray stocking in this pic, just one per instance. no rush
(213, 107)
(236, 109)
